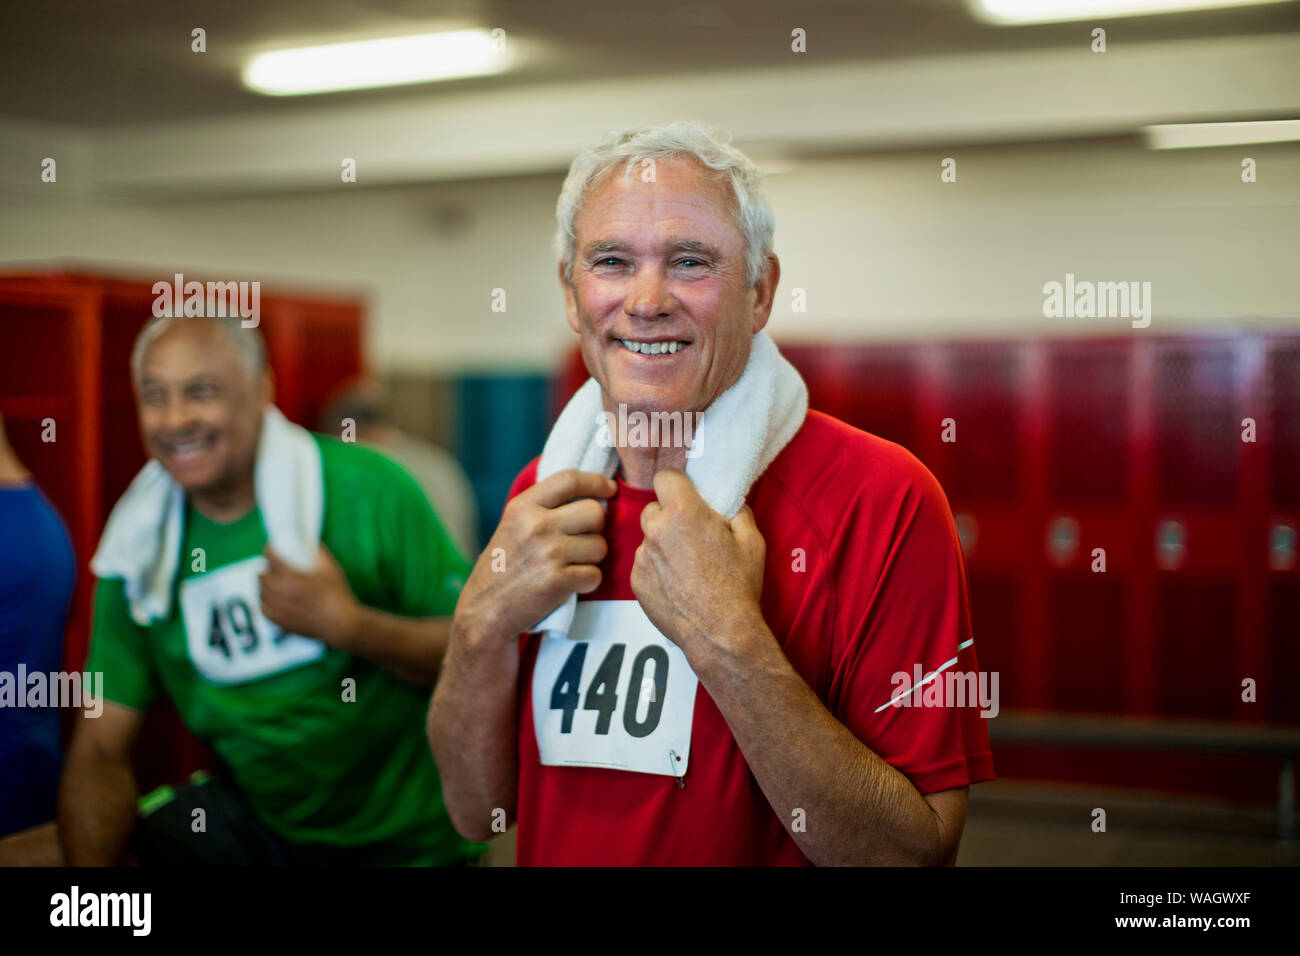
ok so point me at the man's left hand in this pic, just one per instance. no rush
(697, 575)
(316, 603)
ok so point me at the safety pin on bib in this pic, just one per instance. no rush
(672, 762)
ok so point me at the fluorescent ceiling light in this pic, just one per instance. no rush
(1190, 135)
(368, 63)
(1017, 12)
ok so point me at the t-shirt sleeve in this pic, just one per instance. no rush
(915, 614)
(422, 567)
(525, 479)
(119, 650)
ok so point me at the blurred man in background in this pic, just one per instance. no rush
(367, 406)
(287, 592)
(37, 574)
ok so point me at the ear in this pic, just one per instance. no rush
(765, 293)
(570, 301)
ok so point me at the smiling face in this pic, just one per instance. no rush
(659, 295)
(200, 407)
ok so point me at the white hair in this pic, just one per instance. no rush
(247, 342)
(709, 147)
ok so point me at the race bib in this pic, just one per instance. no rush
(616, 694)
(228, 639)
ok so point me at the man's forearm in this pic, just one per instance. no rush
(97, 810)
(472, 731)
(410, 647)
(857, 809)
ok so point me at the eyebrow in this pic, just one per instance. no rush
(203, 378)
(602, 245)
(698, 246)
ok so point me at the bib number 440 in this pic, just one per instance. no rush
(602, 693)
(613, 693)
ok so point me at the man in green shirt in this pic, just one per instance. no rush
(309, 683)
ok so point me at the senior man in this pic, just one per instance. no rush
(290, 594)
(726, 689)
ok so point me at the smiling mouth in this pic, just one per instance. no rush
(669, 347)
(187, 451)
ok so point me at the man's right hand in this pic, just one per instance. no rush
(547, 546)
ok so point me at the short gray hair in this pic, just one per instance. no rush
(247, 342)
(709, 147)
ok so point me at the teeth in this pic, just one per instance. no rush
(652, 348)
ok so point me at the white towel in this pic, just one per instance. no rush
(142, 540)
(738, 436)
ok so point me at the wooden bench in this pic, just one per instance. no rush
(1159, 733)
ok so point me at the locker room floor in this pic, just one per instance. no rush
(1016, 823)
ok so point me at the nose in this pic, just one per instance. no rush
(176, 415)
(649, 296)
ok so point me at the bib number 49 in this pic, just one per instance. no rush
(238, 620)
(228, 638)
(602, 692)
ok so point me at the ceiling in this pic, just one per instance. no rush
(99, 63)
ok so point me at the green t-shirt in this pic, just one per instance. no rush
(321, 770)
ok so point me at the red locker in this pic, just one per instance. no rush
(49, 370)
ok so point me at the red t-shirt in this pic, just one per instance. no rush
(877, 586)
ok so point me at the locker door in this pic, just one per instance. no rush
(1198, 544)
(983, 391)
(1087, 440)
(986, 389)
(1280, 436)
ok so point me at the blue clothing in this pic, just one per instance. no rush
(37, 573)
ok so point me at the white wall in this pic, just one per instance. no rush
(885, 249)
(881, 247)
